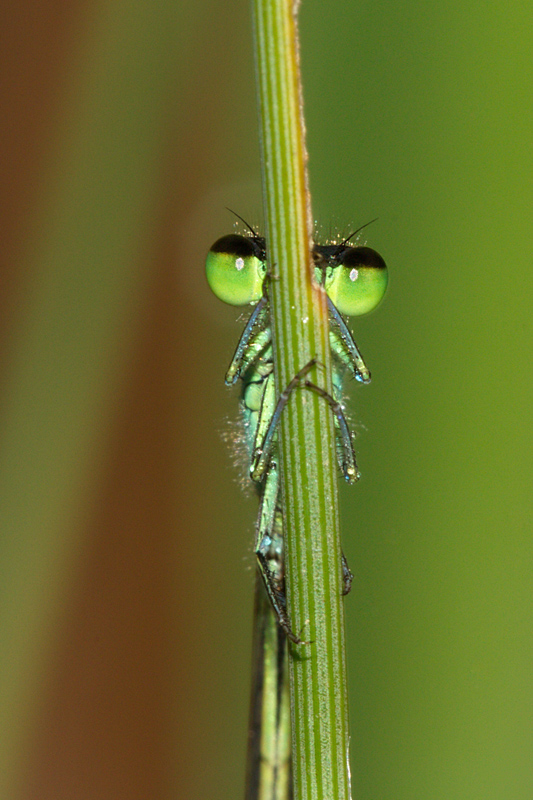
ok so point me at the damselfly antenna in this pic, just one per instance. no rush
(355, 232)
(255, 234)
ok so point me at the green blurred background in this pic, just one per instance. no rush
(125, 538)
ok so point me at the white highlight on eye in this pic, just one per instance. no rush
(239, 263)
(354, 274)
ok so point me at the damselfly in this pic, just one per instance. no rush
(355, 280)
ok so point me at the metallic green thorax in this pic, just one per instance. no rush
(355, 279)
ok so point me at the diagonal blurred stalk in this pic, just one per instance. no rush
(87, 267)
(300, 332)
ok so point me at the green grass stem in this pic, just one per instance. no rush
(319, 708)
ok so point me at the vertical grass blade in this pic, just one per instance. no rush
(300, 332)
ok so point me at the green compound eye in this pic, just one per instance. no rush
(234, 270)
(358, 283)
